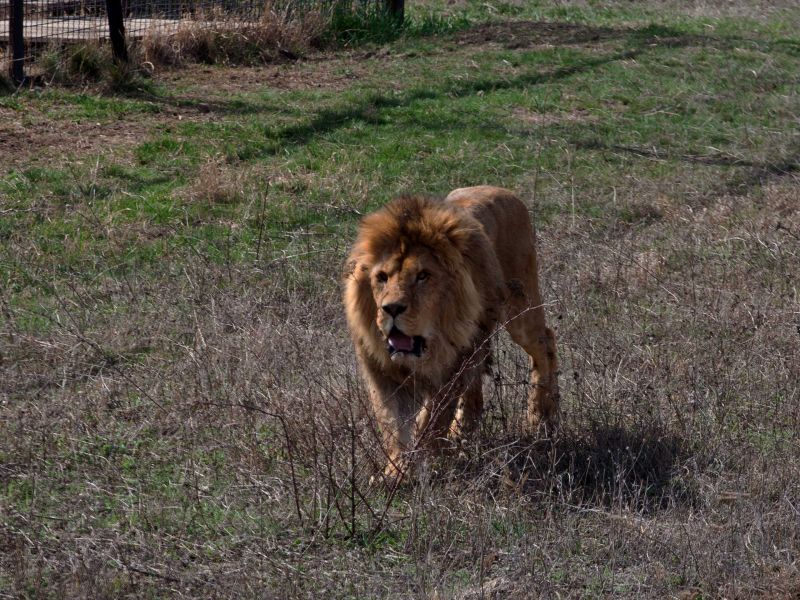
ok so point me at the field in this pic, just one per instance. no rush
(180, 409)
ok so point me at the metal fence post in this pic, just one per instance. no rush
(15, 17)
(116, 29)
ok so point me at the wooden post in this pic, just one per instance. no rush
(396, 8)
(15, 18)
(116, 30)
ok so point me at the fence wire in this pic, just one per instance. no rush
(59, 22)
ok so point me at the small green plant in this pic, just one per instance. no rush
(51, 64)
(356, 25)
(353, 25)
(73, 64)
(87, 61)
(127, 78)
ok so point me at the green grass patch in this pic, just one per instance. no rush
(653, 102)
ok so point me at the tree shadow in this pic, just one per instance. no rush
(628, 43)
(525, 34)
(367, 111)
(632, 43)
(754, 173)
(512, 34)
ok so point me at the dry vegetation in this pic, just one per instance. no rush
(193, 425)
(214, 38)
(209, 436)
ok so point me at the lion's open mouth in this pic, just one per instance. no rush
(399, 342)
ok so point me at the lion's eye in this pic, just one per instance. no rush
(423, 275)
(382, 277)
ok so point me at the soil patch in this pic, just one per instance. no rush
(524, 34)
(30, 137)
(536, 118)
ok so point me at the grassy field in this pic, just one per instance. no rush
(180, 410)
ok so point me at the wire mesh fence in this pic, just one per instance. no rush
(28, 26)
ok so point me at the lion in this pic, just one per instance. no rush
(428, 283)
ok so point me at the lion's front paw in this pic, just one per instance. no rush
(543, 425)
(394, 475)
(462, 427)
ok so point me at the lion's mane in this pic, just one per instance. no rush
(464, 254)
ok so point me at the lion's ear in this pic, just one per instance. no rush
(354, 269)
(461, 235)
(349, 269)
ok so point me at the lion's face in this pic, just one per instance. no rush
(408, 289)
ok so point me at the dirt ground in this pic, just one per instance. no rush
(31, 137)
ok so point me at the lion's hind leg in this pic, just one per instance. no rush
(527, 328)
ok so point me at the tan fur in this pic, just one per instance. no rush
(459, 268)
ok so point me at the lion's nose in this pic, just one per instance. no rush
(394, 308)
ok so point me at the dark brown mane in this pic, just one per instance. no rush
(412, 221)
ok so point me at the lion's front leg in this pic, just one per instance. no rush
(392, 410)
(434, 421)
(527, 328)
(469, 411)
(543, 401)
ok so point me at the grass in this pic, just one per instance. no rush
(181, 411)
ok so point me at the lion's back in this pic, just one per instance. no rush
(507, 224)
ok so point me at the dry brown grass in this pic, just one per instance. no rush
(208, 437)
(216, 183)
(216, 38)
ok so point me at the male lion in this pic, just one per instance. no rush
(428, 282)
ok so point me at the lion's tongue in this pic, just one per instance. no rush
(400, 341)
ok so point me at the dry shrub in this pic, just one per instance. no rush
(74, 64)
(88, 64)
(215, 37)
(217, 183)
(6, 85)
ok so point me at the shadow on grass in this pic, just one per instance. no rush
(330, 120)
(513, 35)
(524, 34)
(754, 174)
(628, 43)
(606, 466)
